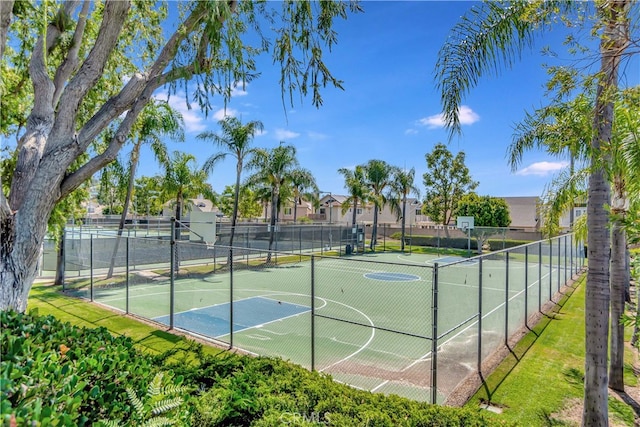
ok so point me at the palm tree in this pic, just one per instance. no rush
(157, 119)
(567, 124)
(273, 169)
(303, 185)
(235, 141)
(183, 181)
(402, 186)
(495, 34)
(378, 177)
(354, 182)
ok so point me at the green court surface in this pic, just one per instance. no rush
(372, 320)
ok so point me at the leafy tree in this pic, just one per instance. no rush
(183, 180)
(148, 195)
(402, 187)
(95, 67)
(157, 119)
(489, 214)
(249, 206)
(303, 186)
(273, 170)
(446, 181)
(112, 188)
(494, 35)
(378, 176)
(235, 141)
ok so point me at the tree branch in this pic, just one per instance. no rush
(114, 16)
(6, 13)
(154, 78)
(70, 63)
(86, 171)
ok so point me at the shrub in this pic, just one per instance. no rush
(56, 373)
(53, 373)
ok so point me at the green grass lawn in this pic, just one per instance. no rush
(47, 300)
(539, 378)
(545, 370)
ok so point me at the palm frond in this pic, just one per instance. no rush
(490, 37)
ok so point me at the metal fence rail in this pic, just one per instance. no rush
(397, 325)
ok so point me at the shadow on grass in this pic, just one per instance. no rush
(517, 352)
(629, 401)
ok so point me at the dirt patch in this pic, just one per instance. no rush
(571, 413)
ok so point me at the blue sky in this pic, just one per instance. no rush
(390, 107)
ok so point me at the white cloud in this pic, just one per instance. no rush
(239, 89)
(283, 134)
(542, 168)
(193, 119)
(316, 136)
(224, 112)
(410, 131)
(465, 114)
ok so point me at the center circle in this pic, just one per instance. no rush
(392, 277)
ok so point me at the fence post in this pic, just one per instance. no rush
(91, 266)
(572, 243)
(551, 270)
(230, 297)
(172, 252)
(565, 259)
(540, 276)
(506, 301)
(313, 313)
(480, 315)
(127, 274)
(526, 286)
(434, 336)
(559, 265)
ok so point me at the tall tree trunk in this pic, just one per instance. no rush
(374, 229)
(272, 222)
(613, 42)
(178, 233)
(354, 227)
(296, 200)
(60, 260)
(22, 234)
(236, 201)
(135, 155)
(619, 278)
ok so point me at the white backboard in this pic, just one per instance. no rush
(464, 222)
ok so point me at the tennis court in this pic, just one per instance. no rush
(369, 320)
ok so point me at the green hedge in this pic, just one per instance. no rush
(53, 373)
(457, 242)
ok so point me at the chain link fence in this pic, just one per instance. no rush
(399, 323)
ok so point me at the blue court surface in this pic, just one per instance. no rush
(248, 313)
